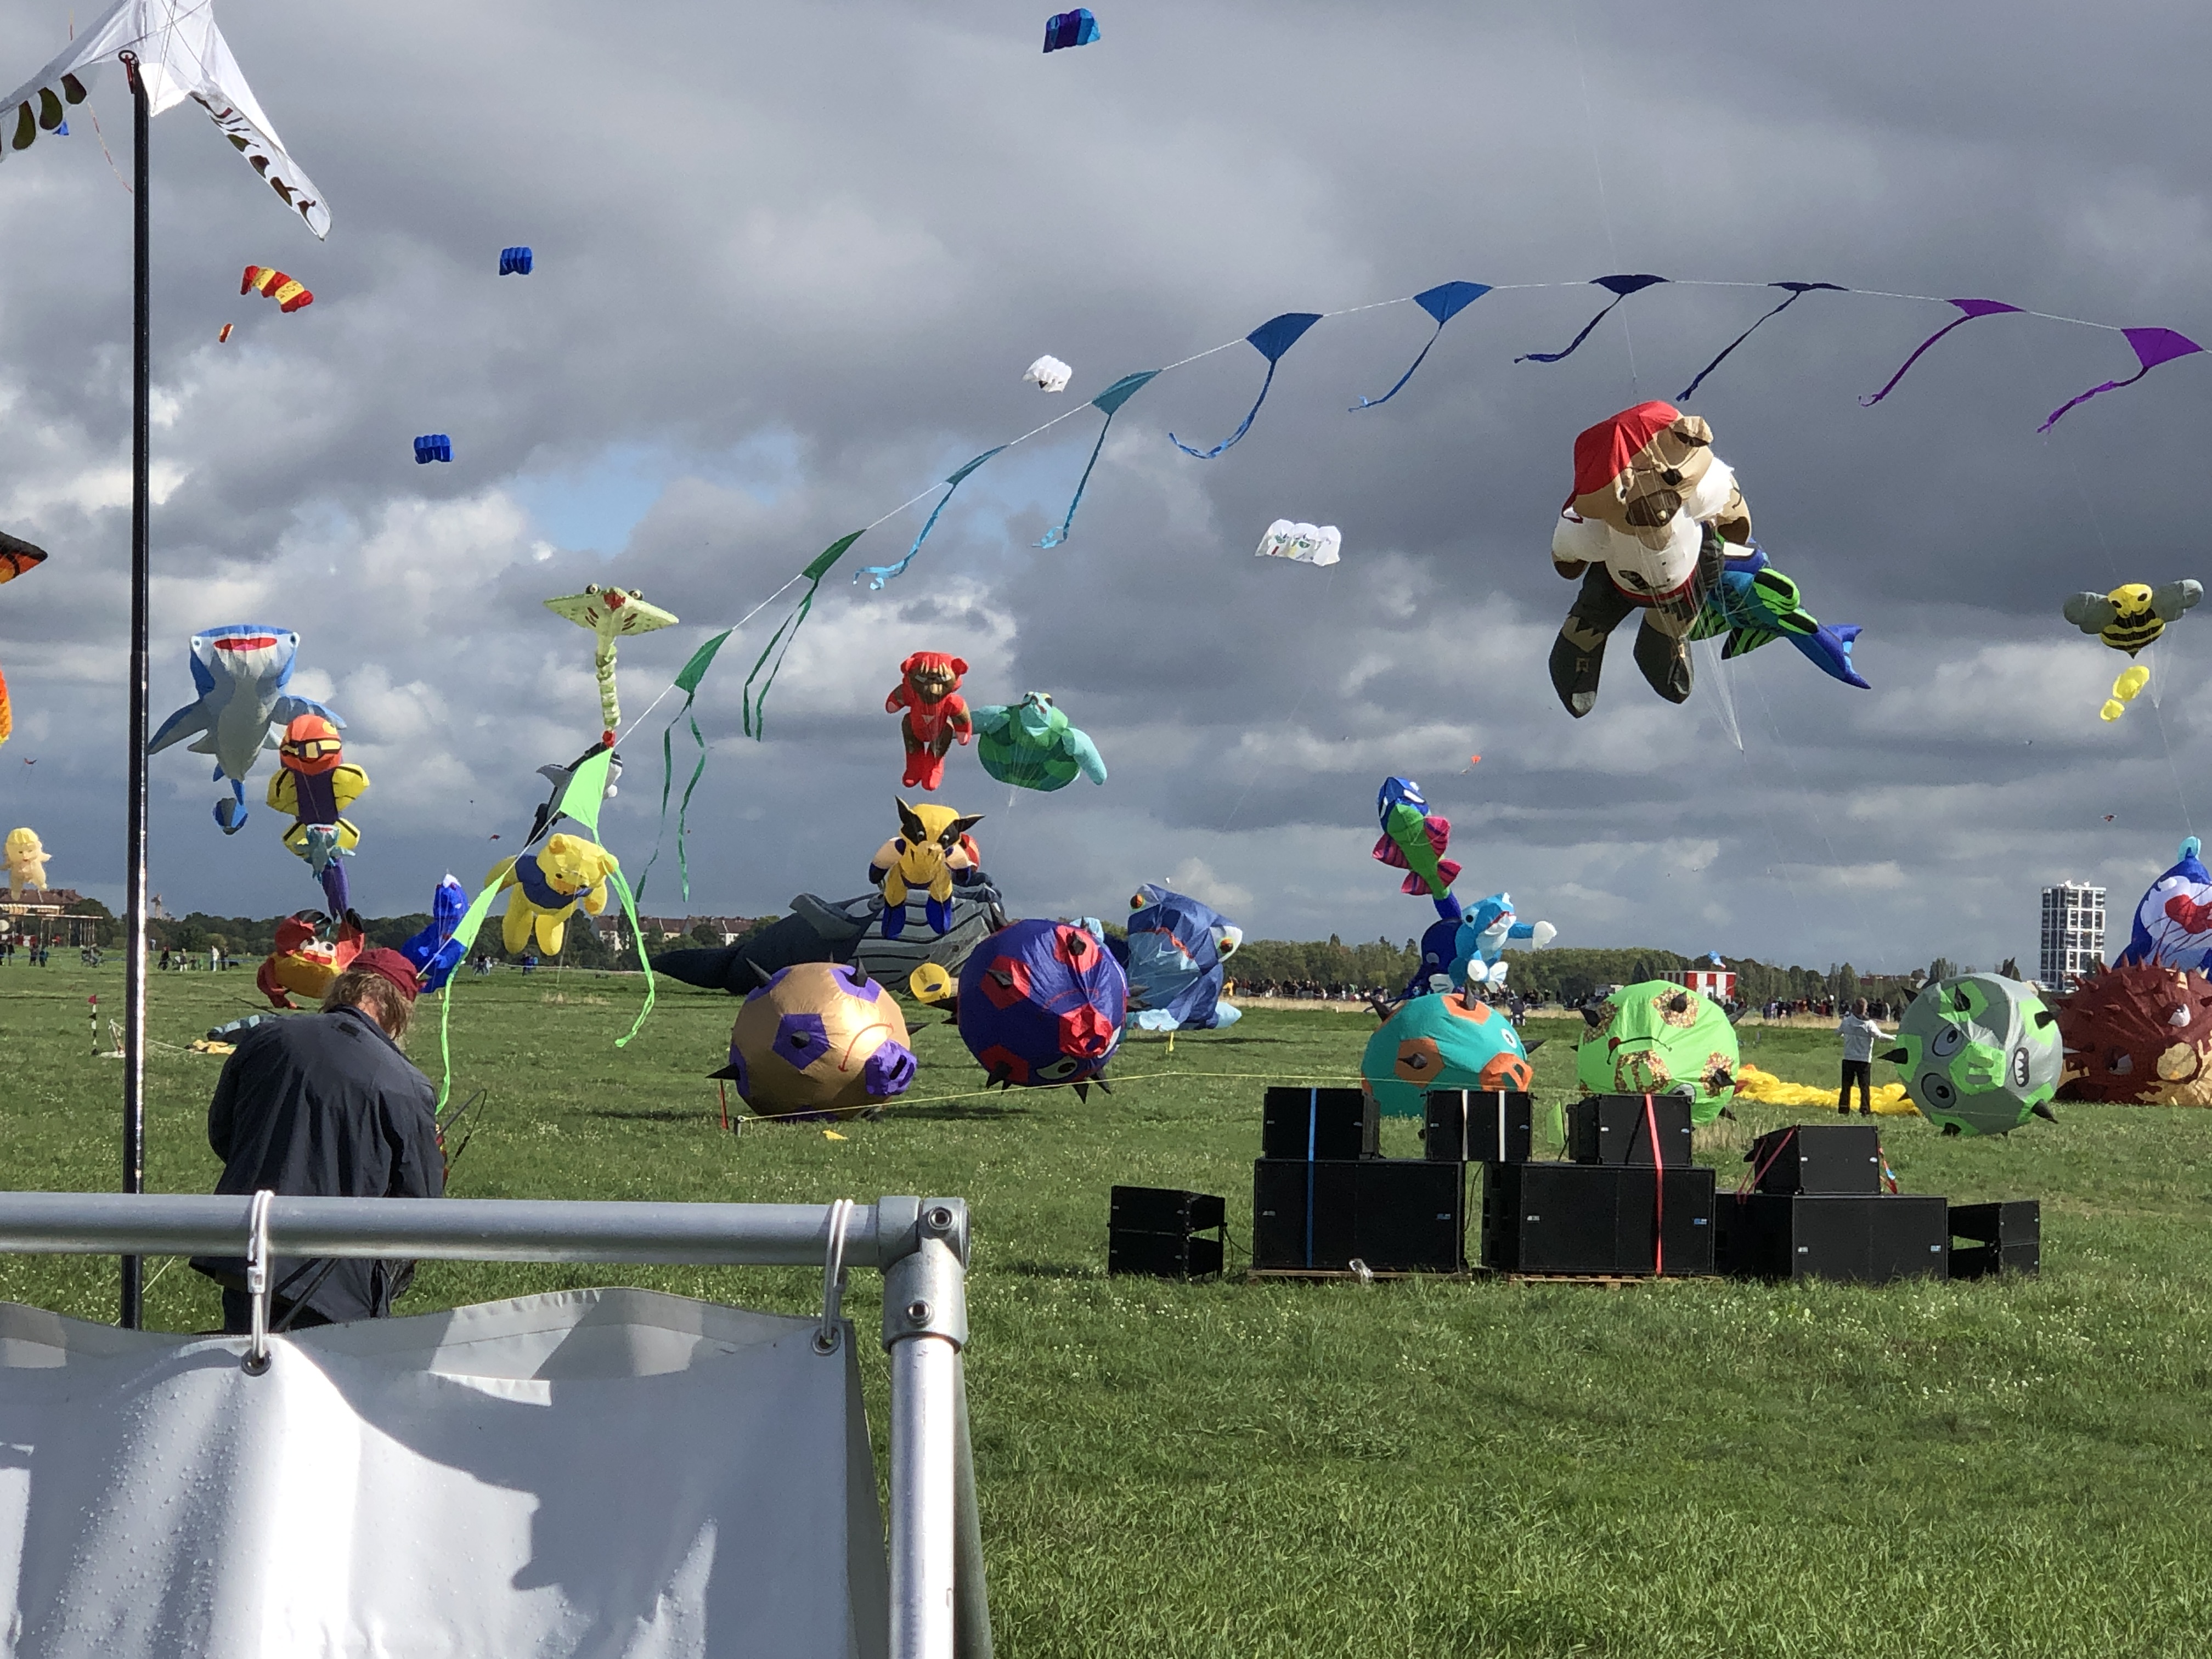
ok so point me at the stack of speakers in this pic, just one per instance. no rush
(1629, 1205)
(1816, 1209)
(1322, 1200)
(1155, 1231)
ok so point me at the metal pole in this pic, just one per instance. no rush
(134, 962)
(925, 1327)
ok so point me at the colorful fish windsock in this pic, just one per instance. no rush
(289, 292)
(1414, 839)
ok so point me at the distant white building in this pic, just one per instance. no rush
(2073, 934)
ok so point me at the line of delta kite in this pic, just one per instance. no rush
(1655, 526)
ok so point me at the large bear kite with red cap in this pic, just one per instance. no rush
(1653, 521)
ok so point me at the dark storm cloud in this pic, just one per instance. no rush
(791, 261)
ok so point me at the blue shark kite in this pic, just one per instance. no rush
(240, 672)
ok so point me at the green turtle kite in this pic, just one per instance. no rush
(1031, 745)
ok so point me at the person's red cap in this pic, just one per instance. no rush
(391, 967)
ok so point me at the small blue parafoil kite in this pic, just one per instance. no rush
(515, 262)
(433, 446)
(1070, 29)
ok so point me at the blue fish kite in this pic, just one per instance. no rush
(240, 672)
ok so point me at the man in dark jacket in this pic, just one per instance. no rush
(326, 1106)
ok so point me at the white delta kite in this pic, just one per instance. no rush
(1306, 543)
(181, 54)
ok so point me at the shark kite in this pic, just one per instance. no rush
(240, 672)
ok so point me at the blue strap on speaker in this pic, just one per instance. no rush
(1313, 1141)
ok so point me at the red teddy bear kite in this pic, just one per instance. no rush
(936, 714)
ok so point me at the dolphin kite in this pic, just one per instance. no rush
(240, 672)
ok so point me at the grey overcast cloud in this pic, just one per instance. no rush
(791, 262)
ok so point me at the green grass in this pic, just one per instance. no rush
(1421, 1467)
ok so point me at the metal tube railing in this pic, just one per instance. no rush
(920, 1245)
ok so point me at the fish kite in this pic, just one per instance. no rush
(1754, 604)
(1415, 840)
(16, 556)
(611, 613)
(240, 672)
(2128, 618)
(181, 54)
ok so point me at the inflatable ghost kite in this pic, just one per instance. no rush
(1980, 1054)
(548, 885)
(1041, 1003)
(315, 784)
(936, 714)
(1048, 375)
(611, 613)
(2128, 618)
(16, 556)
(26, 862)
(931, 854)
(1654, 521)
(819, 1040)
(1658, 1037)
(1176, 947)
(1030, 745)
(1455, 1041)
(240, 672)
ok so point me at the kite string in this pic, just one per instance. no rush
(1804, 797)
(1597, 166)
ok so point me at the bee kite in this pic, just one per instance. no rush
(2128, 618)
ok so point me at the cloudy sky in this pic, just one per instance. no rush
(791, 262)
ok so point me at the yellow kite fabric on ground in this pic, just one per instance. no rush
(1768, 1090)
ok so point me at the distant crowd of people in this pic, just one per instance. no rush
(1825, 1008)
(34, 954)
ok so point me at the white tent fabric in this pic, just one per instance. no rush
(608, 1474)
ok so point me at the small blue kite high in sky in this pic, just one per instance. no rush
(1070, 29)
(433, 446)
(515, 261)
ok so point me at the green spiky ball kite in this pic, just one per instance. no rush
(1980, 1054)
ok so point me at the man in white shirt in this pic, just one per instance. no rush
(1860, 1034)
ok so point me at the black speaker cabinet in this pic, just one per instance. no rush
(1478, 1126)
(1165, 1210)
(1597, 1218)
(1326, 1123)
(1840, 1235)
(1817, 1158)
(2007, 1238)
(1615, 1129)
(1149, 1230)
(1162, 1256)
(1396, 1215)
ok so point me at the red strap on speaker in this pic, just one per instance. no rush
(1658, 1189)
(1788, 1141)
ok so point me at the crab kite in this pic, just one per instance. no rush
(610, 613)
(1030, 745)
(240, 672)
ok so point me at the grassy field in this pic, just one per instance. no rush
(1421, 1467)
